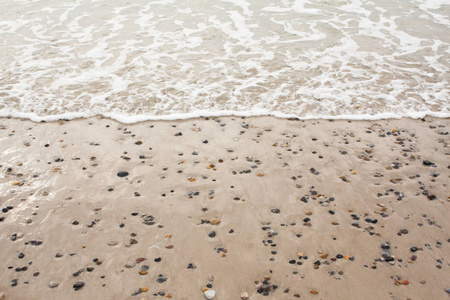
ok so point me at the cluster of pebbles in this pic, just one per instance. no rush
(304, 205)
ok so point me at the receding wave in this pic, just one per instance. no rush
(171, 59)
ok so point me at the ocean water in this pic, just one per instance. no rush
(169, 59)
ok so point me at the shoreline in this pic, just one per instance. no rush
(135, 119)
(306, 203)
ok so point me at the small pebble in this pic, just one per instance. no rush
(78, 285)
(122, 173)
(210, 294)
(113, 242)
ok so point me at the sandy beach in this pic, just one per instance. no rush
(231, 207)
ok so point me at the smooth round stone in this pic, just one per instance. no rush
(122, 173)
(212, 233)
(215, 221)
(130, 264)
(210, 294)
(78, 285)
(113, 242)
(140, 259)
(53, 284)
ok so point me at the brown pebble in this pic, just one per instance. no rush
(215, 221)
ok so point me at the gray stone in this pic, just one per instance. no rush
(113, 242)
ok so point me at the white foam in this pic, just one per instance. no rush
(130, 119)
(143, 60)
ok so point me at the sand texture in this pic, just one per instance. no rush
(272, 208)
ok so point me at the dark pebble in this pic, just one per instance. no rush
(212, 233)
(431, 196)
(78, 285)
(122, 173)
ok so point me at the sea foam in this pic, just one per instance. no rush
(178, 59)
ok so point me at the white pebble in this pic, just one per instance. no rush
(210, 294)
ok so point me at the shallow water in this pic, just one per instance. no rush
(137, 60)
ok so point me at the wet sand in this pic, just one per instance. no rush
(264, 207)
